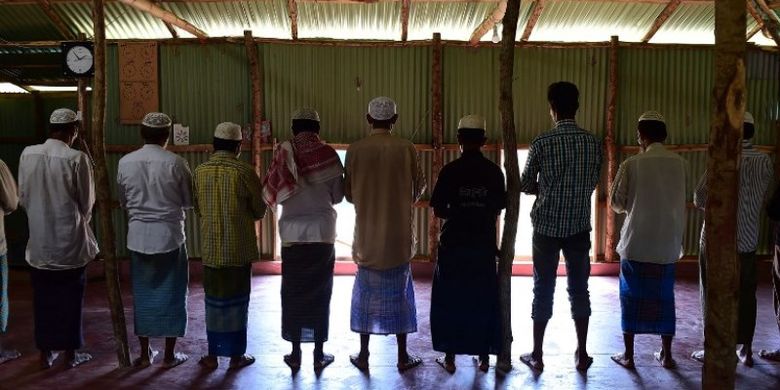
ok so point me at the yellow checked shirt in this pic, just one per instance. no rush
(228, 199)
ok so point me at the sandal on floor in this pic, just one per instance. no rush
(411, 362)
(356, 361)
(178, 359)
(241, 362)
(531, 362)
(138, 362)
(209, 362)
(447, 366)
(323, 361)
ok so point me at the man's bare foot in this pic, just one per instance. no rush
(8, 354)
(533, 360)
(48, 358)
(323, 361)
(178, 359)
(698, 356)
(411, 361)
(209, 362)
(666, 361)
(770, 355)
(146, 361)
(76, 359)
(623, 360)
(244, 360)
(360, 361)
(582, 361)
(447, 364)
(484, 363)
(293, 361)
(745, 356)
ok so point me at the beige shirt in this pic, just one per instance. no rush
(8, 201)
(383, 180)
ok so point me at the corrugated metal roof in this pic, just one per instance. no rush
(690, 23)
(26, 22)
(267, 19)
(455, 21)
(380, 21)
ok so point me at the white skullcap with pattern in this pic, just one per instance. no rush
(307, 114)
(472, 122)
(228, 131)
(62, 116)
(156, 120)
(382, 108)
(652, 116)
(748, 118)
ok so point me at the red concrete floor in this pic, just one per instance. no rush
(270, 372)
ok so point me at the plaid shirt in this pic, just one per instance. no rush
(563, 168)
(228, 200)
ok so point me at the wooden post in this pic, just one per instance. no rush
(257, 120)
(83, 101)
(102, 187)
(506, 109)
(437, 129)
(611, 231)
(728, 106)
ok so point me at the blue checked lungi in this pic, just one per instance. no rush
(383, 301)
(647, 298)
(227, 303)
(160, 293)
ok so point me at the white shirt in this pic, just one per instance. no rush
(155, 187)
(56, 188)
(309, 216)
(9, 200)
(651, 189)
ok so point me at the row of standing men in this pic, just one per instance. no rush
(382, 178)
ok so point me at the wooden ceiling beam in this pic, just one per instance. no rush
(170, 28)
(405, 20)
(535, 14)
(292, 12)
(769, 19)
(488, 23)
(166, 16)
(661, 19)
(56, 20)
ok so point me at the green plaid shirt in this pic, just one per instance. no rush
(228, 200)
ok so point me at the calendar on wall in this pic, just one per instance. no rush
(138, 81)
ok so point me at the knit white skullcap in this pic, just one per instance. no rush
(156, 120)
(307, 114)
(62, 116)
(382, 108)
(472, 122)
(748, 118)
(652, 116)
(228, 131)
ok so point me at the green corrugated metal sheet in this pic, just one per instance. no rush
(26, 22)
(763, 85)
(17, 116)
(340, 81)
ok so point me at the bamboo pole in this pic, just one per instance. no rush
(728, 106)
(257, 120)
(661, 19)
(405, 20)
(507, 253)
(496, 16)
(166, 16)
(102, 187)
(292, 13)
(611, 230)
(437, 128)
(535, 14)
(54, 17)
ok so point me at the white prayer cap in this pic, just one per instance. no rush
(156, 120)
(382, 108)
(748, 118)
(307, 114)
(228, 131)
(472, 122)
(62, 116)
(652, 116)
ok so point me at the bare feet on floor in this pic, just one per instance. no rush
(484, 363)
(745, 356)
(323, 361)
(411, 361)
(533, 360)
(48, 358)
(146, 361)
(209, 362)
(582, 361)
(360, 361)
(770, 355)
(293, 361)
(76, 359)
(624, 360)
(447, 364)
(666, 361)
(7, 355)
(178, 359)
(237, 362)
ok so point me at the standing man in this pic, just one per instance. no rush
(383, 180)
(650, 189)
(755, 174)
(155, 187)
(228, 200)
(8, 203)
(563, 168)
(773, 211)
(307, 179)
(469, 195)
(57, 190)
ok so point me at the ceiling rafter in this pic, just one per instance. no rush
(292, 12)
(170, 28)
(533, 19)
(768, 17)
(56, 20)
(488, 23)
(661, 19)
(405, 19)
(167, 16)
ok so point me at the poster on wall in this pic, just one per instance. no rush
(138, 81)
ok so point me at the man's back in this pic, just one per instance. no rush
(383, 180)
(56, 190)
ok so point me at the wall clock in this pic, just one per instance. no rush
(78, 59)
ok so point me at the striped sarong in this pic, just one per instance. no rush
(3, 293)
(227, 303)
(647, 298)
(383, 301)
(160, 293)
(307, 284)
(58, 297)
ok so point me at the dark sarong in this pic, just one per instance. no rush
(647, 298)
(3, 293)
(307, 284)
(464, 302)
(58, 297)
(160, 293)
(747, 306)
(227, 303)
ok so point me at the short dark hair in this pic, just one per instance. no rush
(564, 98)
(471, 136)
(748, 131)
(67, 128)
(225, 144)
(155, 135)
(653, 131)
(301, 125)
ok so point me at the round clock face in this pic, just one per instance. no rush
(79, 59)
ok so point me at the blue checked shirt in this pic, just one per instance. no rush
(563, 168)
